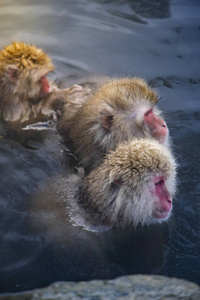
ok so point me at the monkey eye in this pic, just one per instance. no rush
(148, 112)
(160, 182)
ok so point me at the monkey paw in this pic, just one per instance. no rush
(74, 88)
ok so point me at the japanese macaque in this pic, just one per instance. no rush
(26, 95)
(118, 111)
(134, 184)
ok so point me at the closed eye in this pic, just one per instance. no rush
(160, 182)
(148, 112)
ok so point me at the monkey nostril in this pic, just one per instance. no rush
(164, 126)
(169, 200)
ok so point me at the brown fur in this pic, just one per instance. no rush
(119, 100)
(21, 67)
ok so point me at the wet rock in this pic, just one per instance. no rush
(133, 287)
(173, 81)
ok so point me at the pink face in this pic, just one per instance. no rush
(45, 86)
(163, 205)
(157, 126)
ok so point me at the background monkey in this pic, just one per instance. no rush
(26, 95)
(118, 111)
(134, 184)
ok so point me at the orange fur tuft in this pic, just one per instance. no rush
(25, 56)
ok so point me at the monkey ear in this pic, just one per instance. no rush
(117, 182)
(13, 73)
(106, 119)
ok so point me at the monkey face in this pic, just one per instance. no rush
(24, 68)
(123, 110)
(136, 183)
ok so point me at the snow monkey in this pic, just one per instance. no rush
(118, 111)
(26, 95)
(134, 184)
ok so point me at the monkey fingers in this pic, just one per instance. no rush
(73, 89)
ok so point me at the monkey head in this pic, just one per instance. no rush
(23, 70)
(135, 184)
(125, 109)
(118, 111)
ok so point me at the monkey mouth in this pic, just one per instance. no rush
(162, 139)
(161, 214)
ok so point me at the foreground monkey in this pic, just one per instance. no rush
(134, 184)
(26, 95)
(117, 112)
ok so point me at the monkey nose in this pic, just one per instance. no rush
(167, 206)
(162, 123)
(169, 200)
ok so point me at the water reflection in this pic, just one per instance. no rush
(145, 8)
(85, 37)
(51, 249)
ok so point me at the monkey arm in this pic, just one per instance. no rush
(57, 97)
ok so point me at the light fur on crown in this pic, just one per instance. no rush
(132, 159)
(128, 88)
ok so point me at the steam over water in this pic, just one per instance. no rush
(157, 40)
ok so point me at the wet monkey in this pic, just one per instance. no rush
(26, 94)
(119, 110)
(134, 184)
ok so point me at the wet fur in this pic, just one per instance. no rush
(116, 194)
(21, 67)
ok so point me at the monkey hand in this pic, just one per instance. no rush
(73, 89)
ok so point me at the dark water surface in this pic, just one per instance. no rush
(158, 40)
